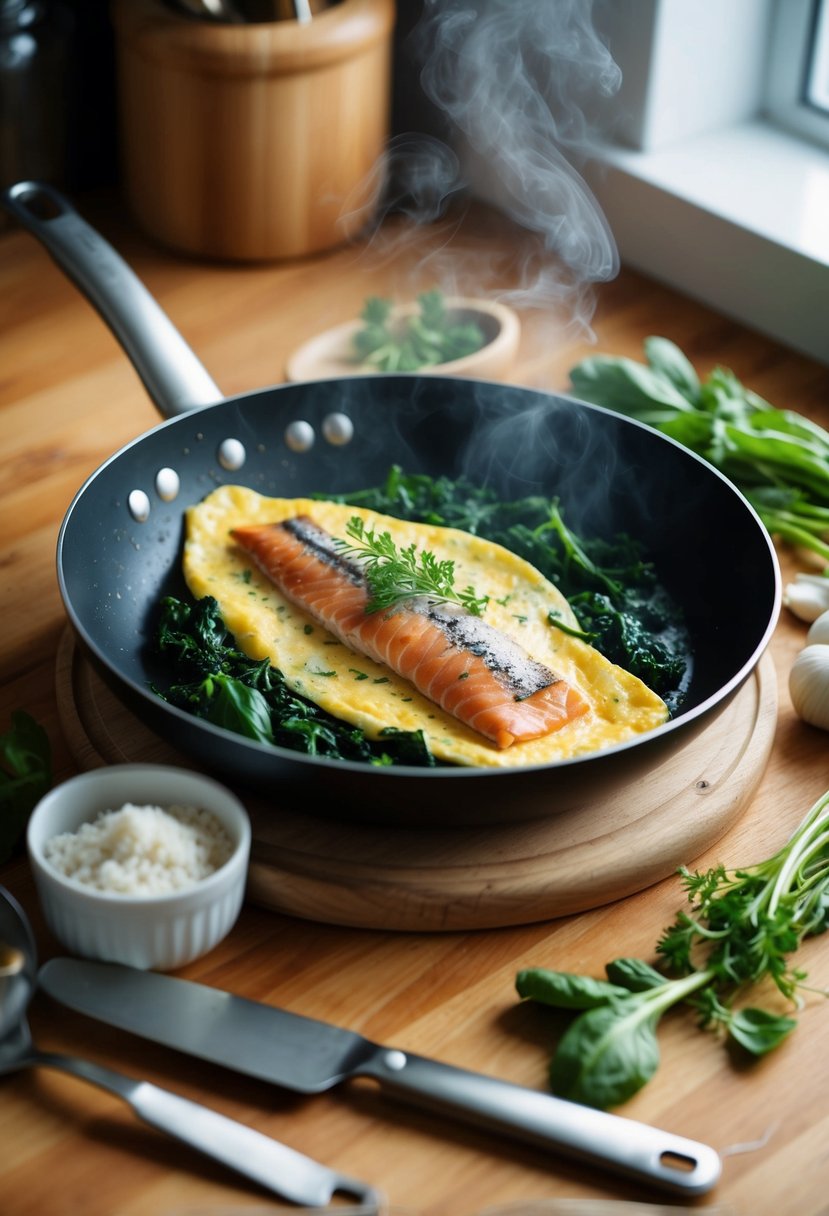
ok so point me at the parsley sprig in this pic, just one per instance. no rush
(397, 574)
(741, 930)
(750, 920)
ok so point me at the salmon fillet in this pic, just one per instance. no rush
(476, 673)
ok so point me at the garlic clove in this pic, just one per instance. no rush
(818, 630)
(809, 684)
(807, 598)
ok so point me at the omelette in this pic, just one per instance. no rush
(557, 696)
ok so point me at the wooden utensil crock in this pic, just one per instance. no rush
(253, 142)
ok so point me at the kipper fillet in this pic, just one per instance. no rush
(475, 672)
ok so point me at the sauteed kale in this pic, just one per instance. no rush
(622, 610)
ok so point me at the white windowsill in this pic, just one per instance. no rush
(737, 218)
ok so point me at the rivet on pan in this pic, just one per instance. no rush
(139, 506)
(299, 436)
(338, 429)
(395, 1060)
(232, 454)
(167, 484)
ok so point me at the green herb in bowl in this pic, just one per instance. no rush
(391, 342)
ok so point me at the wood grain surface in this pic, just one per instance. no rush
(69, 398)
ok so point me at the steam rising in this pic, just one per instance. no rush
(513, 83)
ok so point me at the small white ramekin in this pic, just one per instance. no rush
(158, 932)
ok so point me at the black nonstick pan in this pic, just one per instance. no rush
(120, 542)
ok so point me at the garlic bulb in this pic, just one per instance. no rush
(808, 596)
(809, 684)
(818, 630)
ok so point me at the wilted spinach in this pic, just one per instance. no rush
(210, 677)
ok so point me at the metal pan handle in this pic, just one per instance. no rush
(172, 375)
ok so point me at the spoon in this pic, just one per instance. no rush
(273, 1165)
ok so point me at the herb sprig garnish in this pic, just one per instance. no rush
(396, 574)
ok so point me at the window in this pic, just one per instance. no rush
(817, 71)
(714, 173)
(798, 90)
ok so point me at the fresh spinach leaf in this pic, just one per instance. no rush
(634, 974)
(564, 990)
(759, 1031)
(606, 1055)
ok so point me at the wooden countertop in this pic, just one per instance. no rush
(69, 398)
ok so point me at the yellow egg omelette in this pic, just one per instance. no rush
(606, 704)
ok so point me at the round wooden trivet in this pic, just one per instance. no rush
(433, 878)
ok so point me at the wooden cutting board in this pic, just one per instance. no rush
(432, 878)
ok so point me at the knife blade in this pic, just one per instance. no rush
(310, 1056)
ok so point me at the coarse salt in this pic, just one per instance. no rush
(142, 850)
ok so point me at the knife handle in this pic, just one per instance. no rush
(270, 1163)
(634, 1149)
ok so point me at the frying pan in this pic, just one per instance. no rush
(119, 545)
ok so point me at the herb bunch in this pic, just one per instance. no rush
(742, 929)
(397, 574)
(779, 459)
(423, 340)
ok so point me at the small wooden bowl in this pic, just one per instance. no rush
(330, 354)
